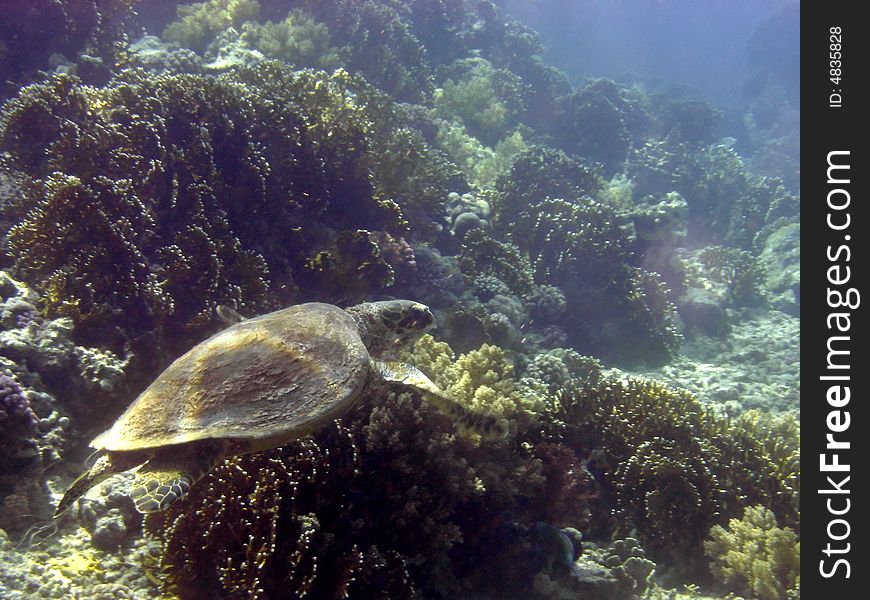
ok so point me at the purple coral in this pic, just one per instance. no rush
(17, 421)
(397, 253)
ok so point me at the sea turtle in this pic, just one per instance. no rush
(258, 384)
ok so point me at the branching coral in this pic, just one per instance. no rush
(54, 239)
(592, 123)
(581, 247)
(297, 40)
(481, 164)
(741, 274)
(198, 24)
(264, 526)
(482, 379)
(667, 461)
(512, 46)
(482, 255)
(753, 556)
(440, 25)
(394, 500)
(487, 100)
(544, 206)
(727, 204)
(352, 264)
(30, 32)
(350, 514)
(667, 493)
(569, 488)
(379, 43)
(156, 197)
(760, 464)
(537, 174)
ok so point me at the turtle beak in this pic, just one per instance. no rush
(421, 317)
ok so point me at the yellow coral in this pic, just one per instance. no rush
(481, 380)
(298, 40)
(74, 565)
(755, 557)
(198, 24)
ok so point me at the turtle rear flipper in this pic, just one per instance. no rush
(105, 466)
(487, 426)
(168, 476)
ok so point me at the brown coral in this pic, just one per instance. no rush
(156, 197)
(673, 468)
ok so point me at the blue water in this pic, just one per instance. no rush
(715, 47)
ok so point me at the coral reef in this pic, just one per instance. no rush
(741, 274)
(537, 174)
(486, 100)
(18, 424)
(545, 207)
(31, 33)
(581, 247)
(298, 40)
(660, 231)
(153, 54)
(228, 51)
(727, 205)
(596, 122)
(619, 571)
(377, 41)
(482, 379)
(694, 121)
(436, 157)
(48, 383)
(510, 45)
(308, 518)
(715, 282)
(666, 462)
(373, 500)
(70, 566)
(147, 255)
(465, 206)
(275, 527)
(200, 23)
(228, 33)
(345, 515)
(481, 164)
(546, 303)
(562, 367)
(753, 556)
(482, 255)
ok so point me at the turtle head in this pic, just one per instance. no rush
(391, 325)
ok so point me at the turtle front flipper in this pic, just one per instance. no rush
(228, 315)
(171, 472)
(104, 467)
(487, 426)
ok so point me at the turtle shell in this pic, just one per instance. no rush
(261, 381)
